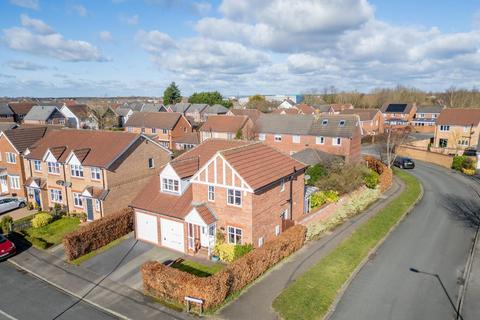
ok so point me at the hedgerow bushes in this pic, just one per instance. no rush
(385, 178)
(173, 285)
(98, 234)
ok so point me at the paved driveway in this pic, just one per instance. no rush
(18, 213)
(123, 261)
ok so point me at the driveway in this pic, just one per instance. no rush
(122, 262)
(18, 213)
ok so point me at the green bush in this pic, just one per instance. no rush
(371, 179)
(343, 178)
(241, 249)
(315, 172)
(318, 199)
(225, 251)
(462, 162)
(5, 224)
(38, 243)
(41, 220)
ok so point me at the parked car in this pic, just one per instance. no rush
(404, 163)
(7, 248)
(10, 203)
(470, 152)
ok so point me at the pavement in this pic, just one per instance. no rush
(431, 239)
(256, 301)
(97, 290)
(23, 296)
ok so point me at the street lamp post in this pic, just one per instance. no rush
(459, 316)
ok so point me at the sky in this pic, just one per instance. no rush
(239, 47)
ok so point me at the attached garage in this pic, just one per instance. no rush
(172, 234)
(146, 227)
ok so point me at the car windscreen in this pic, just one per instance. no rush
(2, 239)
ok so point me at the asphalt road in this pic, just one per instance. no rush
(23, 296)
(430, 239)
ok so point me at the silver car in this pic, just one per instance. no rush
(10, 203)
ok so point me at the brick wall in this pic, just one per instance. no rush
(423, 155)
(15, 169)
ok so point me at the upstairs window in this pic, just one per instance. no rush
(319, 140)
(444, 128)
(164, 131)
(278, 138)
(143, 130)
(324, 122)
(261, 136)
(37, 165)
(53, 167)
(342, 123)
(95, 173)
(154, 130)
(76, 170)
(151, 163)
(295, 139)
(11, 157)
(170, 185)
(234, 197)
(336, 141)
(211, 193)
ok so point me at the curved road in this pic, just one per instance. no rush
(430, 239)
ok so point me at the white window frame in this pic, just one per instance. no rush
(342, 123)
(234, 232)
(55, 195)
(282, 185)
(232, 196)
(76, 170)
(336, 141)
(260, 241)
(97, 205)
(444, 128)
(165, 131)
(320, 140)
(37, 165)
(14, 182)
(465, 129)
(277, 230)
(324, 122)
(170, 185)
(151, 163)
(53, 168)
(11, 157)
(96, 173)
(261, 136)
(130, 129)
(77, 200)
(277, 138)
(211, 193)
(154, 130)
(296, 138)
(142, 130)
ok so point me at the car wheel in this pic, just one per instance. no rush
(21, 205)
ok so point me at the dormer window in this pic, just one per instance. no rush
(324, 122)
(170, 185)
(342, 123)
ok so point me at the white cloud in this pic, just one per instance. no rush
(105, 36)
(29, 4)
(38, 38)
(25, 65)
(155, 41)
(131, 20)
(80, 10)
(202, 7)
(35, 24)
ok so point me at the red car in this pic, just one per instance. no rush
(7, 248)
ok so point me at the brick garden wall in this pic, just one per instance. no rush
(423, 155)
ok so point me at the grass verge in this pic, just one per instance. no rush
(312, 294)
(51, 234)
(92, 254)
(197, 269)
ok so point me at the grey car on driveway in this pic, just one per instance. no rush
(11, 203)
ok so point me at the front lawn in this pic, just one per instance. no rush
(51, 234)
(197, 269)
(311, 295)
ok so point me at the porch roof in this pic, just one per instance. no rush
(39, 183)
(95, 192)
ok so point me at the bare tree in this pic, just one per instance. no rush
(389, 141)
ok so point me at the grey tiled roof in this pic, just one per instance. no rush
(180, 107)
(216, 109)
(287, 124)
(429, 109)
(40, 113)
(197, 107)
(151, 107)
(312, 156)
(343, 125)
(5, 110)
(122, 111)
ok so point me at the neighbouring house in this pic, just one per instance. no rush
(287, 104)
(339, 107)
(8, 125)
(216, 109)
(248, 191)
(79, 116)
(306, 109)
(180, 107)
(286, 111)
(152, 107)
(165, 126)
(95, 172)
(335, 134)
(6, 114)
(311, 157)
(187, 141)
(195, 111)
(323, 108)
(456, 130)
(371, 120)
(253, 114)
(123, 115)
(398, 115)
(20, 110)
(227, 127)
(425, 118)
(42, 115)
(13, 144)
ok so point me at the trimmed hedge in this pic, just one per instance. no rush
(173, 285)
(385, 179)
(98, 234)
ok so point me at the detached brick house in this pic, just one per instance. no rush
(165, 126)
(13, 144)
(227, 127)
(371, 120)
(335, 134)
(42, 115)
(96, 172)
(247, 190)
(398, 114)
(456, 130)
(425, 118)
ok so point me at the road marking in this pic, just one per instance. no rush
(3, 313)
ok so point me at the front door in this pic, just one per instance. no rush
(89, 209)
(3, 184)
(36, 195)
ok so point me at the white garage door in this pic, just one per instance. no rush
(172, 234)
(147, 227)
